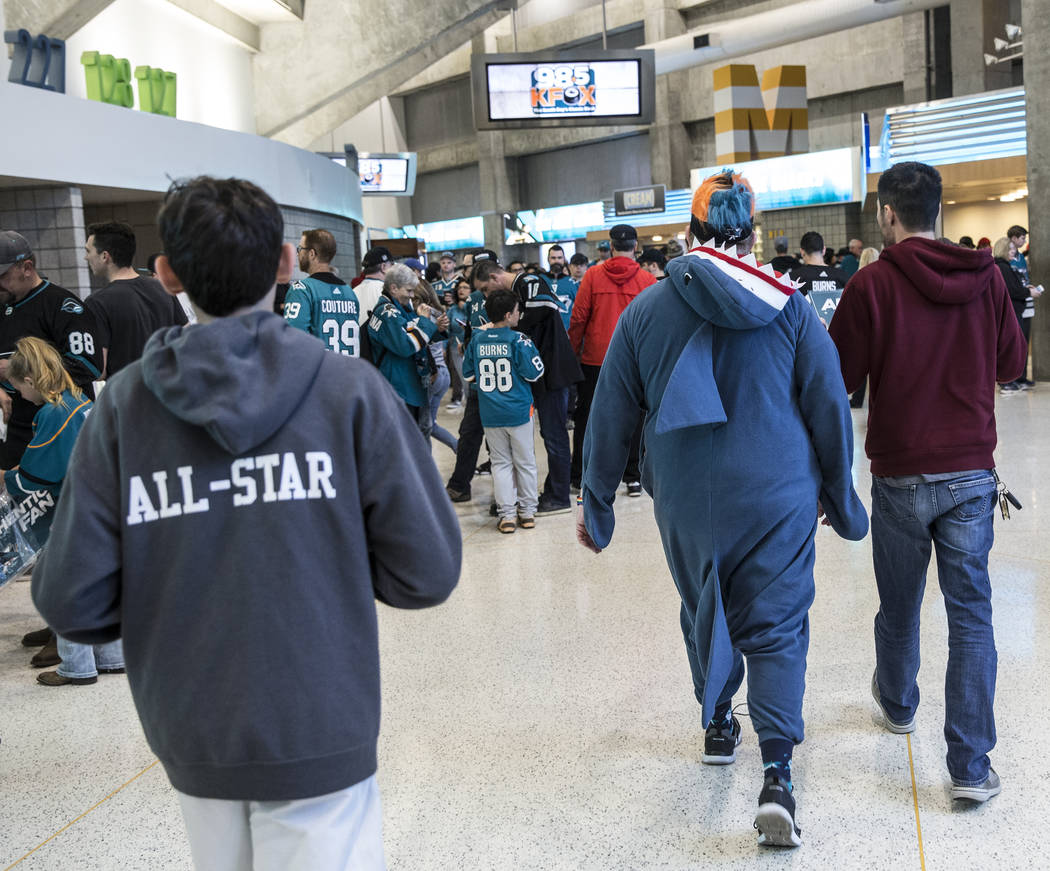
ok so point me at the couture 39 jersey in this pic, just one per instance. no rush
(325, 307)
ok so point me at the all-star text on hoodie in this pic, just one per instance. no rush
(932, 328)
(235, 504)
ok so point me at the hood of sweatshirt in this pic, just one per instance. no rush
(620, 270)
(239, 378)
(730, 292)
(944, 274)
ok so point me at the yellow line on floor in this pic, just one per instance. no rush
(915, 799)
(78, 819)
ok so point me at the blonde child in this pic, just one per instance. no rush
(35, 370)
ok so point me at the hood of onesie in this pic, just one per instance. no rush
(239, 378)
(729, 292)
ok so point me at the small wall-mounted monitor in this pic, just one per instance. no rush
(387, 175)
(563, 88)
(383, 175)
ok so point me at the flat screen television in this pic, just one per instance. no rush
(383, 175)
(562, 88)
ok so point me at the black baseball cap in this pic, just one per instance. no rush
(376, 256)
(623, 233)
(653, 255)
(14, 248)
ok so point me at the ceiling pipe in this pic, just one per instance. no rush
(725, 40)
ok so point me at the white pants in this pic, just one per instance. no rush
(341, 831)
(513, 454)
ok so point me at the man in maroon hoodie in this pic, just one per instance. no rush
(606, 290)
(932, 328)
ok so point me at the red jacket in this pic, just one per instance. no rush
(932, 328)
(606, 290)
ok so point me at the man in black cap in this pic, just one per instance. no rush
(605, 291)
(653, 262)
(445, 284)
(783, 262)
(32, 306)
(376, 262)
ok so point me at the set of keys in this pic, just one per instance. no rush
(1006, 498)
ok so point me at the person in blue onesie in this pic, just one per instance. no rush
(36, 372)
(747, 438)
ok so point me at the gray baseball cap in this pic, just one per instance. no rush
(13, 249)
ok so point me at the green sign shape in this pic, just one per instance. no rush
(156, 90)
(108, 79)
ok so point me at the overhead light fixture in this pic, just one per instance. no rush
(658, 238)
(1013, 32)
(1003, 45)
(990, 60)
(949, 202)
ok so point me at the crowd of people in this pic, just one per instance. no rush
(655, 360)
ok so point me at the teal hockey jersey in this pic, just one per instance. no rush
(35, 484)
(500, 361)
(323, 306)
(399, 339)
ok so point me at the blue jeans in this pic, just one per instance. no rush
(955, 517)
(551, 409)
(84, 660)
(437, 393)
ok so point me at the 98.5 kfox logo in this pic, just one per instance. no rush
(559, 90)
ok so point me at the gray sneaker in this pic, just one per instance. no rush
(980, 793)
(894, 727)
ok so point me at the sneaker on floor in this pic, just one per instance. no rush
(980, 793)
(484, 469)
(458, 495)
(775, 820)
(454, 406)
(526, 521)
(54, 679)
(506, 525)
(1010, 389)
(893, 726)
(37, 638)
(634, 488)
(1024, 383)
(547, 508)
(720, 743)
(493, 509)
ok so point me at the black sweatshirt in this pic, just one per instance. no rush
(235, 503)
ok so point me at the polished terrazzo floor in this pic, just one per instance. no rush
(544, 717)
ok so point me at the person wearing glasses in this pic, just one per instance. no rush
(323, 304)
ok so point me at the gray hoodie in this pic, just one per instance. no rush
(235, 503)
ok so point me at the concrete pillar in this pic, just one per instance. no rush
(1036, 26)
(669, 145)
(499, 186)
(913, 35)
(975, 23)
(52, 220)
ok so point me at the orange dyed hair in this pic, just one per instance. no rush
(723, 181)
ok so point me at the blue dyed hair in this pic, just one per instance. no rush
(723, 209)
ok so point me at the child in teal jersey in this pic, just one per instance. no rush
(501, 361)
(35, 370)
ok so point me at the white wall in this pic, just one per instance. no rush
(989, 219)
(371, 130)
(214, 70)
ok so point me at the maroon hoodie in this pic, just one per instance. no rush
(606, 290)
(932, 328)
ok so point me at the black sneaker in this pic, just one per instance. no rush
(1025, 383)
(547, 508)
(634, 488)
(484, 469)
(458, 495)
(720, 743)
(775, 820)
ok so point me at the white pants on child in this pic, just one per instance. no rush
(341, 831)
(513, 455)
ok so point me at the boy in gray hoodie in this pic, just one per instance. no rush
(237, 489)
